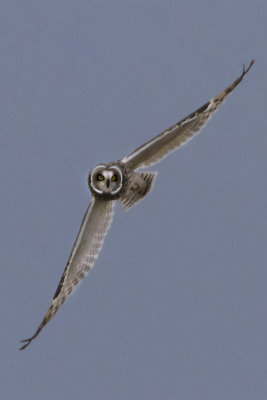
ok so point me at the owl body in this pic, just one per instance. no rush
(116, 181)
(120, 180)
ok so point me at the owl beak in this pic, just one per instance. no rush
(107, 183)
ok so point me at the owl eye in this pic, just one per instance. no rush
(114, 177)
(100, 177)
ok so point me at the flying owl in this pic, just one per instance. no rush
(121, 181)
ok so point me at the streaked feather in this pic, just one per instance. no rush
(86, 248)
(179, 133)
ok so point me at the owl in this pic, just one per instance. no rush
(121, 181)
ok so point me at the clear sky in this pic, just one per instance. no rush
(175, 307)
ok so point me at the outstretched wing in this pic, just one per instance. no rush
(86, 248)
(178, 134)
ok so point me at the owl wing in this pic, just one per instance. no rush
(86, 248)
(180, 133)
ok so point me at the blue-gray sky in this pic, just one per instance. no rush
(175, 306)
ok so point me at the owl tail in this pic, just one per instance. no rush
(140, 185)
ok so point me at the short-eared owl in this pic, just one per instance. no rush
(120, 181)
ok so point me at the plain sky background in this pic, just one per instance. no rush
(175, 307)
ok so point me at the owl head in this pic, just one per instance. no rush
(105, 180)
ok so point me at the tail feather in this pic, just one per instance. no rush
(140, 186)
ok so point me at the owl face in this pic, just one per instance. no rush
(105, 180)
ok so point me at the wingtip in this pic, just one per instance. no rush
(245, 70)
(27, 342)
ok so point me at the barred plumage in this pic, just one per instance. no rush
(119, 181)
